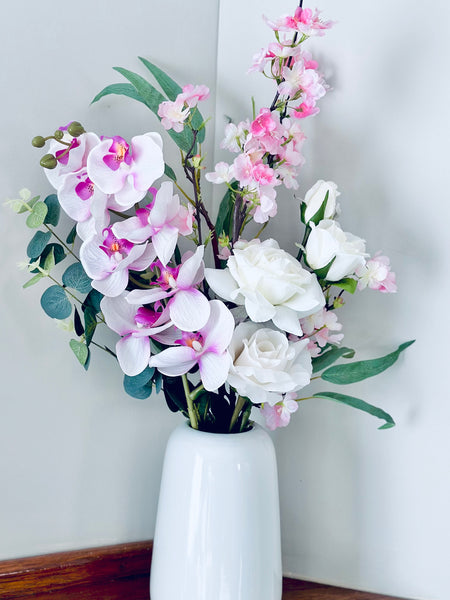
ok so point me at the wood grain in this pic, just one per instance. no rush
(119, 572)
(49, 572)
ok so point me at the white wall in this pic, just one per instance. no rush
(80, 461)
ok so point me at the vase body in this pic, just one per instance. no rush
(218, 527)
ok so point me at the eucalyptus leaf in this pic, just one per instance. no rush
(93, 300)
(30, 204)
(139, 386)
(53, 210)
(76, 278)
(330, 356)
(55, 303)
(360, 405)
(120, 89)
(80, 350)
(152, 98)
(37, 216)
(174, 394)
(37, 243)
(58, 254)
(357, 371)
(88, 361)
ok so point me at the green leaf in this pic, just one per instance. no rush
(121, 89)
(93, 300)
(53, 210)
(171, 88)
(158, 381)
(49, 262)
(55, 303)
(224, 221)
(33, 280)
(169, 172)
(37, 216)
(80, 350)
(152, 98)
(323, 272)
(90, 324)
(72, 235)
(139, 386)
(88, 361)
(357, 371)
(348, 284)
(319, 215)
(329, 357)
(76, 278)
(360, 405)
(174, 394)
(79, 329)
(38, 243)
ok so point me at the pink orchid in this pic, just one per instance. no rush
(107, 261)
(136, 325)
(206, 348)
(127, 171)
(279, 415)
(187, 306)
(162, 220)
(377, 275)
(70, 158)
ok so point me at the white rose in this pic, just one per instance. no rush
(316, 195)
(327, 241)
(270, 283)
(265, 365)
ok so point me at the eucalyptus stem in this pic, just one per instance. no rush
(103, 348)
(61, 242)
(190, 403)
(64, 288)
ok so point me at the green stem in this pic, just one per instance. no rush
(102, 348)
(138, 283)
(61, 242)
(237, 410)
(246, 416)
(190, 403)
(195, 393)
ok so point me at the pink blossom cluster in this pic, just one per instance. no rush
(304, 21)
(269, 154)
(321, 328)
(377, 275)
(175, 113)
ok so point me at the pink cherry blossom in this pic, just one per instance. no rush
(377, 275)
(187, 306)
(279, 415)
(304, 21)
(127, 171)
(191, 94)
(173, 114)
(162, 221)
(136, 325)
(206, 348)
(222, 173)
(107, 261)
(319, 327)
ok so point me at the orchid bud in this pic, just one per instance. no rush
(48, 161)
(75, 129)
(58, 134)
(38, 141)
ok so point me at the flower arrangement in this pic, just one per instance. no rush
(255, 327)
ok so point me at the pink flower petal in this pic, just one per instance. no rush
(174, 361)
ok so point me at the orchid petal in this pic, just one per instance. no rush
(132, 230)
(109, 181)
(144, 259)
(119, 314)
(189, 310)
(188, 271)
(95, 261)
(146, 296)
(133, 354)
(219, 329)
(148, 162)
(214, 369)
(114, 284)
(164, 242)
(174, 361)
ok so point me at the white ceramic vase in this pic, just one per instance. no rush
(218, 526)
